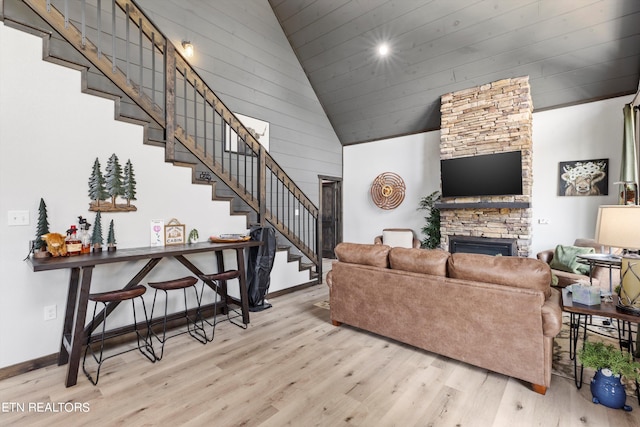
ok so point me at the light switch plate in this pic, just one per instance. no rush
(18, 218)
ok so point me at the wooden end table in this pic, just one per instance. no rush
(580, 315)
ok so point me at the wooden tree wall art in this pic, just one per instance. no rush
(106, 189)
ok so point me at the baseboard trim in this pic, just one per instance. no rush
(126, 334)
(292, 289)
(116, 337)
(28, 366)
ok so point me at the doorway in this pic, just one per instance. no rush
(330, 214)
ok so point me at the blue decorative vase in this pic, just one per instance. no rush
(607, 390)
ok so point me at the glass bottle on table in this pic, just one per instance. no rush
(74, 244)
(85, 239)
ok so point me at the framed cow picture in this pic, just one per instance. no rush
(584, 178)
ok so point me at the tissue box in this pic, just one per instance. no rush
(587, 295)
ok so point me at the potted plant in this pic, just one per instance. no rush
(432, 228)
(193, 236)
(610, 364)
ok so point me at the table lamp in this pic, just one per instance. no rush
(619, 226)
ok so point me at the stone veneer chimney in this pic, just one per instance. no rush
(492, 118)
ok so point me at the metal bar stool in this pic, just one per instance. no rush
(195, 326)
(218, 282)
(143, 342)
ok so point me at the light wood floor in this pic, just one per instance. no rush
(292, 367)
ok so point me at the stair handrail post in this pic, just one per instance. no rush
(170, 101)
(262, 185)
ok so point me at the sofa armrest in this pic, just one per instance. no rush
(545, 256)
(601, 276)
(416, 242)
(552, 315)
(329, 280)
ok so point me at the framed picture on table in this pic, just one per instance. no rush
(174, 233)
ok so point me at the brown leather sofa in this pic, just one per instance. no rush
(497, 313)
(599, 275)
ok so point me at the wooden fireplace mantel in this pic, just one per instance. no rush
(483, 205)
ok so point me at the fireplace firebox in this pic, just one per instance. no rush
(483, 245)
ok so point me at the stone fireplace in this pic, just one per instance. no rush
(483, 245)
(492, 118)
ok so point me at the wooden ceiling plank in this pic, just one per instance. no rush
(374, 23)
(444, 46)
(424, 24)
(487, 66)
(291, 13)
(468, 44)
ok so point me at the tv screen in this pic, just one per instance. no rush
(497, 174)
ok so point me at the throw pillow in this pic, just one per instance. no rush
(565, 259)
(397, 238)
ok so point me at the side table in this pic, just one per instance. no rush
(580, 314)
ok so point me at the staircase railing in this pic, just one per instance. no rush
(117, 37)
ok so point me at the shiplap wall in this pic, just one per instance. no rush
(243, 55)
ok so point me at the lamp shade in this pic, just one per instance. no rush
(618, 226)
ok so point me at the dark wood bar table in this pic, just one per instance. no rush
(74, 331)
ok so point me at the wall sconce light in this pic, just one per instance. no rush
(188, 48)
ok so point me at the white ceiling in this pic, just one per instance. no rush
(573, 51)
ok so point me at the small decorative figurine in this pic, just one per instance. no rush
(111, 238)
(96, 237)
(56, 244)
(39, 245)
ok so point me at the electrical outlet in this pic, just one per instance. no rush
(18, 218)
(50, 312)
(544, 221)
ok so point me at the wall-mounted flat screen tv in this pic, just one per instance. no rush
(498, 174)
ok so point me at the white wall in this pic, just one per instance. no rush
(582, 132)
(50, 135)
(414, 158)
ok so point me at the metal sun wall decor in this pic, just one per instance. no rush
(584, 178)
(113, 184)
(387, 190)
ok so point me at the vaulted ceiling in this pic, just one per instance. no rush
(573, 51)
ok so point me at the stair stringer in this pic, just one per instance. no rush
(80, 63)
(85, 88)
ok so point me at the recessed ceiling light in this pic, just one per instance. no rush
(383, 49)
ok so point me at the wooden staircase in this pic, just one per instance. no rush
(123, 57)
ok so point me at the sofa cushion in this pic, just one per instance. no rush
(519, 272)
(426, 261)
(565, 259)
(358, 253)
